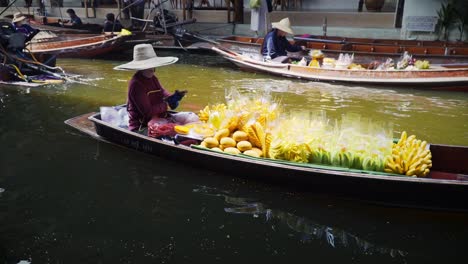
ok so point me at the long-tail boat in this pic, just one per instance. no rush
(55, 23)
(439, 51)
(444, 188)
(448, 77)
(20, 67)
(77, 45)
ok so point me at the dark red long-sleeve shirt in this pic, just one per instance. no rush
(145, 100)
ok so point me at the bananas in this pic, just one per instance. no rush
(206, 112)
(410, 157)
(258, 128)
(289, 150)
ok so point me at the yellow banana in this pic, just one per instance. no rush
(403, 137)
(410, 172)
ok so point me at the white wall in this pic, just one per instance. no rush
(423, 8)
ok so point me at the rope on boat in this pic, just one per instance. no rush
(180, 44)
(36, 65)
(20, 74)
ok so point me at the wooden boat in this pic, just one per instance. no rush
(54, 24)
(395, 42)
(38, 83)
(77, 45)
(173, 37)
(19, 67)
(440, 77)
(446, 187)
(440, 52)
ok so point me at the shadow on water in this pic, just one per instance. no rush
(305, 228)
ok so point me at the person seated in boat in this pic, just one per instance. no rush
(21, 24)
(275, 44)
(112, 25)
(75, 21)
(147, 98)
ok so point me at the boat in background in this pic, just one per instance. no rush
(444, 188)
(77, 45)
(438, 77)
(367, 49)
(56, 23)
(20, 67)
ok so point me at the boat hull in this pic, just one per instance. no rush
(365, 49)
(438, 78)
(446, 194)
(78, 46)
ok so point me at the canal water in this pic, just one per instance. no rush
(67, 198)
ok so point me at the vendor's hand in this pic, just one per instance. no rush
(173, 100)
(303, 47)
(181, 93)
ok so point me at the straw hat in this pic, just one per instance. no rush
(17, 17)
(283, 25)
(144, 58)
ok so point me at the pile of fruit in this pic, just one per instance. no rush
(242, 126)
(258, 128)
(351, 143)
(410, 156)
(422, 64)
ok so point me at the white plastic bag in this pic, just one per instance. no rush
(185, 117)
(114, 116)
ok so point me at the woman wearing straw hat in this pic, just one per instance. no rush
(275, 43)
(21, 24)
(146, 96)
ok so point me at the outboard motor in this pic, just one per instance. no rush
(161, 20)
(6, 30)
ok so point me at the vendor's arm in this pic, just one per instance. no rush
(268, 49)
(159, 105)
(293, 48)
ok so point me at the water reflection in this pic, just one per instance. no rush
(307, 229)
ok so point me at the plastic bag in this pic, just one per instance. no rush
(160, 127)
(114, 115)
(344, 60)
(183, 118)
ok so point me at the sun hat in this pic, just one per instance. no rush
(17, 17)
(144, 58)
(283, 25)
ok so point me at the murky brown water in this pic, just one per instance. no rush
(70, 199)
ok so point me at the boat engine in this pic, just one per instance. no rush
(164, 18)
(9, 38)
(16, 63)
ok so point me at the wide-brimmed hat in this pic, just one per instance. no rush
(283, 25)
(144, 58)
(17, 17)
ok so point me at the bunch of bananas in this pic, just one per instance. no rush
(290, 150)
(319, 156)
(409, 157)
(230, 123)
(205, 113)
